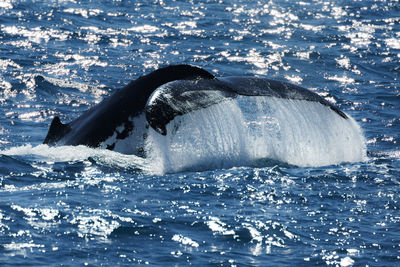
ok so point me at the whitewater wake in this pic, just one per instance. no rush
(70, 154)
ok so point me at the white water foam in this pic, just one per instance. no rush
(242, 131)
(48, 154)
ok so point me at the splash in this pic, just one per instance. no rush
(246, 130)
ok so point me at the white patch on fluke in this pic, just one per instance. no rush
(134, 143)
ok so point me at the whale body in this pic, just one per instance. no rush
(156, 99)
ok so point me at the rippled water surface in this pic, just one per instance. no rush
(82, 206)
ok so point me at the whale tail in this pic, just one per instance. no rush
(56, 131)
(126, 102)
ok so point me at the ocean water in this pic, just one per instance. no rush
(78, 206)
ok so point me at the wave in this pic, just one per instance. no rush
(49, 84)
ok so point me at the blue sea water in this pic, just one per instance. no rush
(80, 206)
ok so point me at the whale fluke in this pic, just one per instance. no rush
(160, 96)
(181, 97)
